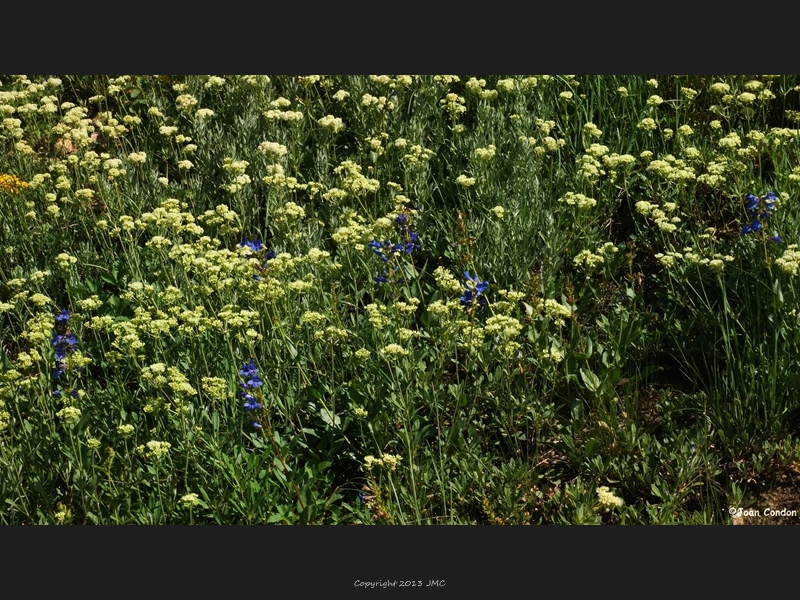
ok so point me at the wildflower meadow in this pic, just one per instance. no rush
(399, 299)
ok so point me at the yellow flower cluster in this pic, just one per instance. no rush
(355, 233)
(157, 450)
(289, 213)
(588, 259)
(442, 309)
(790, 261)
(475, 86)
(216, 388)
(485, 154)
(470, 335)
(647, 124)
(664, 223)
(592, 130)
(394, 350)
(380, 103)
(589, 167)
(446, 280)
(376, 314)
(69, 414)
(186, 102)
(416, 155)
(555, 310)
(189, 501)
(64, 260)
(730, 141)
(390, 461)
(578, 200)
(507, 327)
(406, 308)
(11, 184)
(455, 105)
(38, 328)
(668, 259)
(553, 355)
(353, 181)
(276, 113)
(331, 123)
(607, 500)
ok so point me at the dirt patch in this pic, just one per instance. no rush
(778, 506)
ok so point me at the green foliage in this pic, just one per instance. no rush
(492, 300)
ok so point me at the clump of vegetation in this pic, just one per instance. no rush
(397, 299)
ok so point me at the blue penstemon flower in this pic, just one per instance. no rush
(473, 290)
(64, 344)
(251, 381)
(248, 369)
(379, 248)
(758, 210)
(62, 318)
(58, 371)
(250, 401)
(388, 250)
(255, 245)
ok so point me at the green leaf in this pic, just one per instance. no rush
(328, 418)
(590, 380)
(777, 295)
(591, 446)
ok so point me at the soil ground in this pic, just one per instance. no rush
(784, 495)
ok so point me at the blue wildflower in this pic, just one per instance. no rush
(250, 372)
(378, 248)
(62, 318)
(255, 245)
(270, 255)
(255, 381)
(250, 402)
(776, 238)
(249, 369)
(473, 290)
(64, 345)
(381, 278)
(758, 210)
(754, 226)
(59, 370)
(401, 219)
(752, 203)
